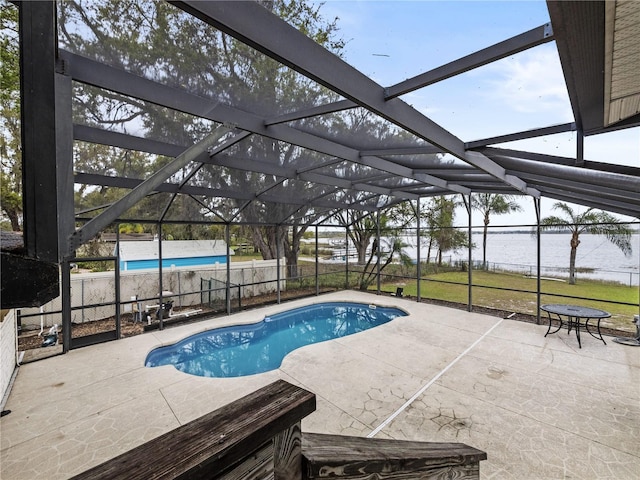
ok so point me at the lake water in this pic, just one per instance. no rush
(519, 251)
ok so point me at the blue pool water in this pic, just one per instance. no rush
(248, 349)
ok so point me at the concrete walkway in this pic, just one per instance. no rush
(540, 407)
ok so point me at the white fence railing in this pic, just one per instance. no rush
(8, 347)
(95, 292)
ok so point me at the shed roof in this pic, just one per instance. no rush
(145, 250)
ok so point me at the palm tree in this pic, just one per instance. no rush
(592, 221)
(489, 204)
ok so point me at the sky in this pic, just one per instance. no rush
(391, 40)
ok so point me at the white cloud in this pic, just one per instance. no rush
(530, 82)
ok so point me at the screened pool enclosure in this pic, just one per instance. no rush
(218, 120)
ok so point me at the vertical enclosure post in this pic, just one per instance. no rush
(160, 285)
(65, 271)
(317, 269)
(227, 239)
(64, 164)
(579, 147)
(278, 261)
(467, 204)
(82, 300)
(377, 252)
(536, 205)
(418, 258)
(38, 49)
(346, 256)
(117, 281)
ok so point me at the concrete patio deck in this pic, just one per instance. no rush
(540, 407)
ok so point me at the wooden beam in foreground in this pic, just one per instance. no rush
(340, 457)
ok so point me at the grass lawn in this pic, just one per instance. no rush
(437, 286)
(452, 287)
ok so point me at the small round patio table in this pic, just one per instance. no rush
(574, 314)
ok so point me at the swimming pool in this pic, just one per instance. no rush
(241, 350)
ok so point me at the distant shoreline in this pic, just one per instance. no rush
(546, 232)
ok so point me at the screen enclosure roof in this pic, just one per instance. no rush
(224, 112)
